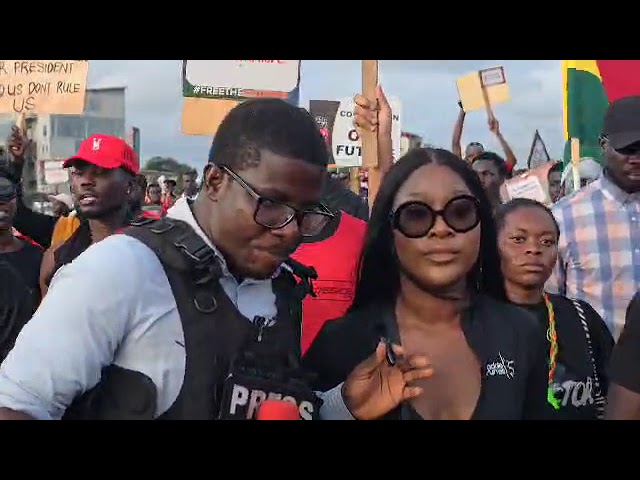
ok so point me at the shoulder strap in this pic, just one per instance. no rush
(177, 245)
(599, 398)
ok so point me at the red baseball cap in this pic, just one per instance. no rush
(106, 151)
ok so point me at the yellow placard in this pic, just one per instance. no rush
(43, 86)
(203, 116)
(470, 91)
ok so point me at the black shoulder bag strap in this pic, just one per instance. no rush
(292, 287)
(599, 399)
(192, 267)
(172, 241)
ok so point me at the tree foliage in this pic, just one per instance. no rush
(167, 164)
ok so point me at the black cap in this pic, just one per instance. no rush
(8, 190)
(622, 122)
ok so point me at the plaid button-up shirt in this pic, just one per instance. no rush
(599, 249)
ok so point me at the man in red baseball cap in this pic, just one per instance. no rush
(103, 175)
(106, 152)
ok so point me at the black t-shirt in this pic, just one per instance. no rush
(507, 340)
(26, 262)
(16, 306)
(625, 359)
(574, 381)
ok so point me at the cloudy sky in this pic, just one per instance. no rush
(427, 89)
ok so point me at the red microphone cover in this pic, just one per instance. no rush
(277, 410)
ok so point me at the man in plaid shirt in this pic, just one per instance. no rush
(599, 246)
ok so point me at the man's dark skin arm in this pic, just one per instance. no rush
(510, 157)
(623, 400)
(34, 225)
(456, 148)
(622, 404)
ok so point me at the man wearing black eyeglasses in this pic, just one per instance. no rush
(196, 315)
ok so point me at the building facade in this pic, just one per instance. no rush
(57, 137)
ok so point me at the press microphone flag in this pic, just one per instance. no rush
(278, 410)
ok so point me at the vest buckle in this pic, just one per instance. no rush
(162, 226)
(205, 303)
(195, 248)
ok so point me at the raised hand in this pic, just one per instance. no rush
(376, 387)
(370, 115)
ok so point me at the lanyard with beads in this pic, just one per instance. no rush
(552, 336)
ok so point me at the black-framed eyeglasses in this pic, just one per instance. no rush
(274, 215)
(415, 219)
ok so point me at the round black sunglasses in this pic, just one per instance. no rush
(415, 219)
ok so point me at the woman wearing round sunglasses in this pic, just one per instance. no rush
(430, 284)
(579, 343)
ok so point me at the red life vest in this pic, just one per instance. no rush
(336, 260)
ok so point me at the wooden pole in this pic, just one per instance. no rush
(575, 162)
(370, 139)
(20, 122)
(354, 180)
(487, 101)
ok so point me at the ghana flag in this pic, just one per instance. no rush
(589, 86)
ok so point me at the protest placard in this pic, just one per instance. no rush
(240, 79)
(212, 88)
(532, 184)
(482, 89)
(54, 172)
(324, 113)
(345, 140)
(43, 86)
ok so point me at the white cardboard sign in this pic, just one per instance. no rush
(490, 77)
(268, 75)
(532, 184)
(346, 144)
(55, 173)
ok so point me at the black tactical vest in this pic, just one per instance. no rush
(215, 332)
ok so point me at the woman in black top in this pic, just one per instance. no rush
(579, 343)
(430, 281)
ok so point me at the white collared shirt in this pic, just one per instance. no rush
(251, 297)
(189, 197)
(112, 305)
